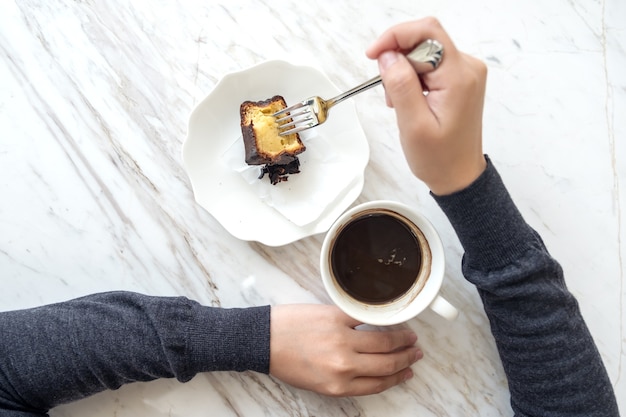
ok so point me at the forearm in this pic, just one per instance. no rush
(62, 352)
(550, 359)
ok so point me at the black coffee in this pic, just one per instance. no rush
(376, 258)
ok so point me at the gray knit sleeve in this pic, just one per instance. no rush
(58, 353)
(552, 364)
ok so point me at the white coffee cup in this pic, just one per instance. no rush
(423, 294)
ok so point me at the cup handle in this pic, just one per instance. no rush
(442, 307)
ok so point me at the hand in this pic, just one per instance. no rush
(317, 347)
(441, 131)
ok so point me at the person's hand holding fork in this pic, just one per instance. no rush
(441, 131)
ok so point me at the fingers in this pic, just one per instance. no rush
(403, 88)
(375, 373)
(376, 385)
(380, 353)
(367, 374)
(375, 341)
(387, 364)
(383, 361)
(405, 36)
(383, 342)
(368, 385)
(329, 356)
(344, 318)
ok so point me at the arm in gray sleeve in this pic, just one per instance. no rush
(550, 359)
(62, 352)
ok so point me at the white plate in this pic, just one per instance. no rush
(332, 167)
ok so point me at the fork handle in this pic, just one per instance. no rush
(354, 91)
(424, 58)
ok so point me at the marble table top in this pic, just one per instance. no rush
(94, 103)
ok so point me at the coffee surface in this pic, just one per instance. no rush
(376, 258)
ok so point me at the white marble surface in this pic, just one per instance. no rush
(94, 102)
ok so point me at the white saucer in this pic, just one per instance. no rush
(251, 209)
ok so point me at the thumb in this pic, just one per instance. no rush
(402, 86)
(345, 319)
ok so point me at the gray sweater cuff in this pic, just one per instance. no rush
(235, 339)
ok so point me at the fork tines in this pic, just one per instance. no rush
(296, 118)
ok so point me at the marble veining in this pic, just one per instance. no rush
(94, 103)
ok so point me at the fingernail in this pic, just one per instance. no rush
(412, 339)
(387, 59)
(408, 374)
(418, 355)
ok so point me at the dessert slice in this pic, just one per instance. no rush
(262, 142)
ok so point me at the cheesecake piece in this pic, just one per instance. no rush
(262, 142)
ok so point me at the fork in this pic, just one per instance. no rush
(314, 110)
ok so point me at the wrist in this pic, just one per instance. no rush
(459, 177)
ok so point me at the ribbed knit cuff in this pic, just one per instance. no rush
(235, 339)
(489, 226)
